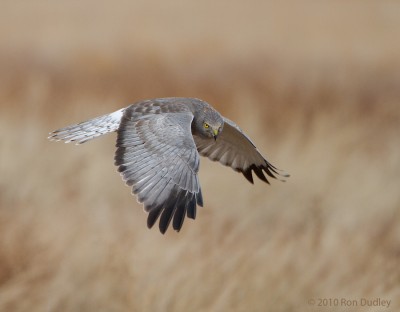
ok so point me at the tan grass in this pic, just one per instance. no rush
(321, 103)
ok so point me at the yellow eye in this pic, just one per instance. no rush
(206, 125)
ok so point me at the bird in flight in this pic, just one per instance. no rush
(159, 143)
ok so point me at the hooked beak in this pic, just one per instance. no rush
(215, 134)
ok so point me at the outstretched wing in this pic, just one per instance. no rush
(157, 157)
(234, 149)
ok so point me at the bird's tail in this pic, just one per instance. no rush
(88, 130)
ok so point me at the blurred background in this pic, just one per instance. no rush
(315, 84)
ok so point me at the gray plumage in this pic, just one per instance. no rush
(158, 146)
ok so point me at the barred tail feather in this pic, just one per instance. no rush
(88, 130)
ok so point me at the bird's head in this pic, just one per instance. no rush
(211, 124)
(212, 129)
(207, 122)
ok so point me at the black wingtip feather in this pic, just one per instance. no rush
(247, 174)
(180, 211)
(174, 203)
(199, 199)
(166, 218)
(269, 169)
(153, 216)
(179, 205)
(191, 209)
(259, 172)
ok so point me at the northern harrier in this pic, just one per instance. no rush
(158, 146)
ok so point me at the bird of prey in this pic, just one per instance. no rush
(159, 142)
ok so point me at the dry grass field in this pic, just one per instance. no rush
(315, 84)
